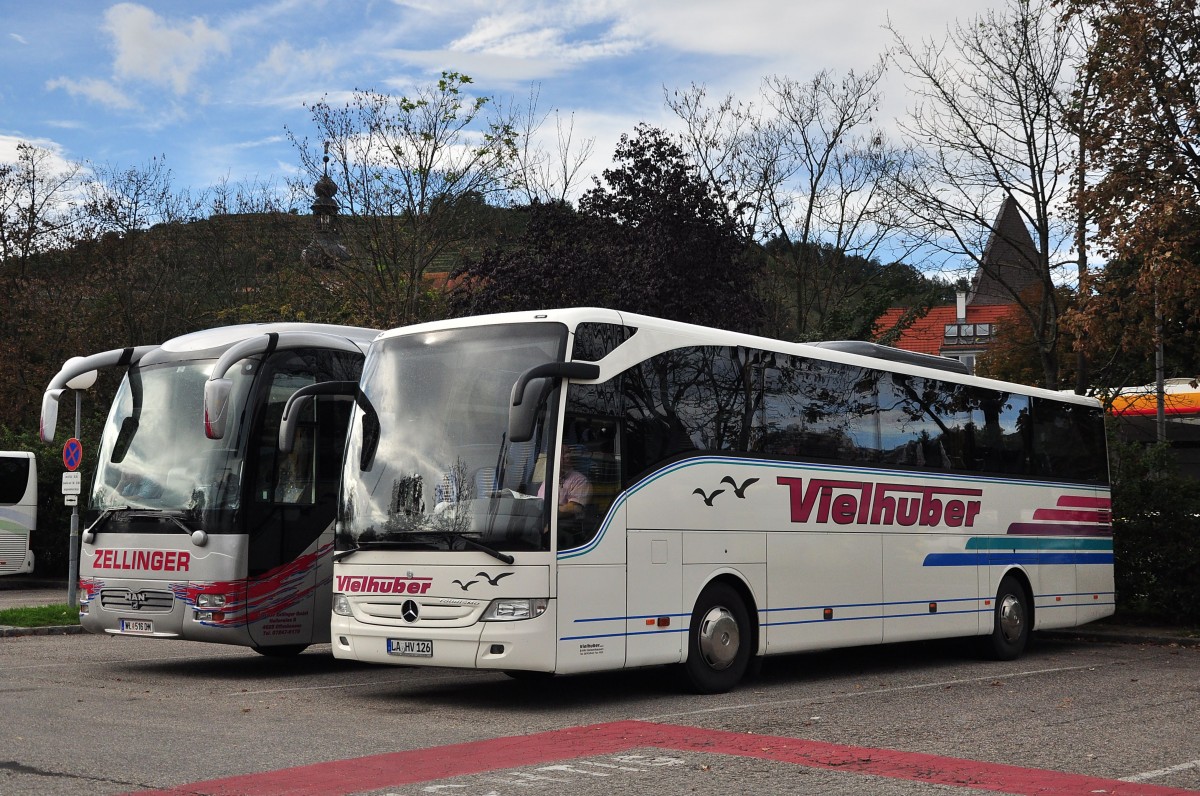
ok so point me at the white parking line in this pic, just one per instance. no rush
(1161, 772)
(830, 697)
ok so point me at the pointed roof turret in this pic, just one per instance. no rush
(1010, 260)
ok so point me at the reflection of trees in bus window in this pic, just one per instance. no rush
(1068, 441)
(595, 341)
(819, 409)
(942, 425)
(706, 398)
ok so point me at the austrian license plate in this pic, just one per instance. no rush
(137, 626)
(410, 648)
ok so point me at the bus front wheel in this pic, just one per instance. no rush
(1011, 621)
(718, 640)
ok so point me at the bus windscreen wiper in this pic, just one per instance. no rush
(478, 545)
(381, 544)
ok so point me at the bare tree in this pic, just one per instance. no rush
(546, 171)
(35, 212)
(414, 176)
(807, 170)
(986, 127)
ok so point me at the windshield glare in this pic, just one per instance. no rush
(154, 453)
(436, 461)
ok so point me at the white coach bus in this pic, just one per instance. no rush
(199, 528)
(18, 511)
(579, 490)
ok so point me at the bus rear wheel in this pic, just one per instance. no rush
(1011, 621)
(718, 640)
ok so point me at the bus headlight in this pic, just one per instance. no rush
(210, 601)
(341, 605)
(510, 609)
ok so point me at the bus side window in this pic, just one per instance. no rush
(591, 432)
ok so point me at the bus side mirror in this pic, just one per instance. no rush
(522, 417)
(522, 412)
(49, 414)
(216, 405)
(296, 402)
(129, 427)
(291, 417)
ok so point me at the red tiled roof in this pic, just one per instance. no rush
(927, 335)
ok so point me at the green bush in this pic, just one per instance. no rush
(1156, 527)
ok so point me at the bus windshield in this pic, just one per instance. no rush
(154, 453)
(427, 461)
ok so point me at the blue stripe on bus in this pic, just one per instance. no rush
(997, 557)
(1090, 603)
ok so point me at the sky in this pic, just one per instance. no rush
(212, 87)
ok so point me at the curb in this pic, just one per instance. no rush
(1119, 637)
(8, 631)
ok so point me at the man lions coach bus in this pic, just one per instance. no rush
(201, 529)
(583, 489)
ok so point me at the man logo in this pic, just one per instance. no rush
(410, 611)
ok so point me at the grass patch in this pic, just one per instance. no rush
(40, 616)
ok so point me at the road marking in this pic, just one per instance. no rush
(1161, 772)
(876, 692)
(397, 769)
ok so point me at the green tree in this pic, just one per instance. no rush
(683, 251)
(652, 238)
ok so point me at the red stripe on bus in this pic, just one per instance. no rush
(1072, 515)
(1058, 529)
(1077, 502)
(397, 769)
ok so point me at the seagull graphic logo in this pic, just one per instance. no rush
(740, 491)
(708, 499)
(492, 581)
(465, 586)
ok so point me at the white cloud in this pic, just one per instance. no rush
(151, 49)
(18, 38)
(544, 35)
(99, 91)
(56, 162)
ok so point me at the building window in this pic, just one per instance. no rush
(952, 330)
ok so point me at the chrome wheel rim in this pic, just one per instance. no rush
(1012, 617)
(719, 638)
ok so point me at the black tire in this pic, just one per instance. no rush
(719, 640)
(282, 650)
(529, 677)
(1012, 620)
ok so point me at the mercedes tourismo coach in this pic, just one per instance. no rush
(584, 489)
(200, 528)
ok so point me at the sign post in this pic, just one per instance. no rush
(72, 458)
(73, 485)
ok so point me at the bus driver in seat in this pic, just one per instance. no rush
(574, 490)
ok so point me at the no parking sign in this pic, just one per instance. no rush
(72, 454)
